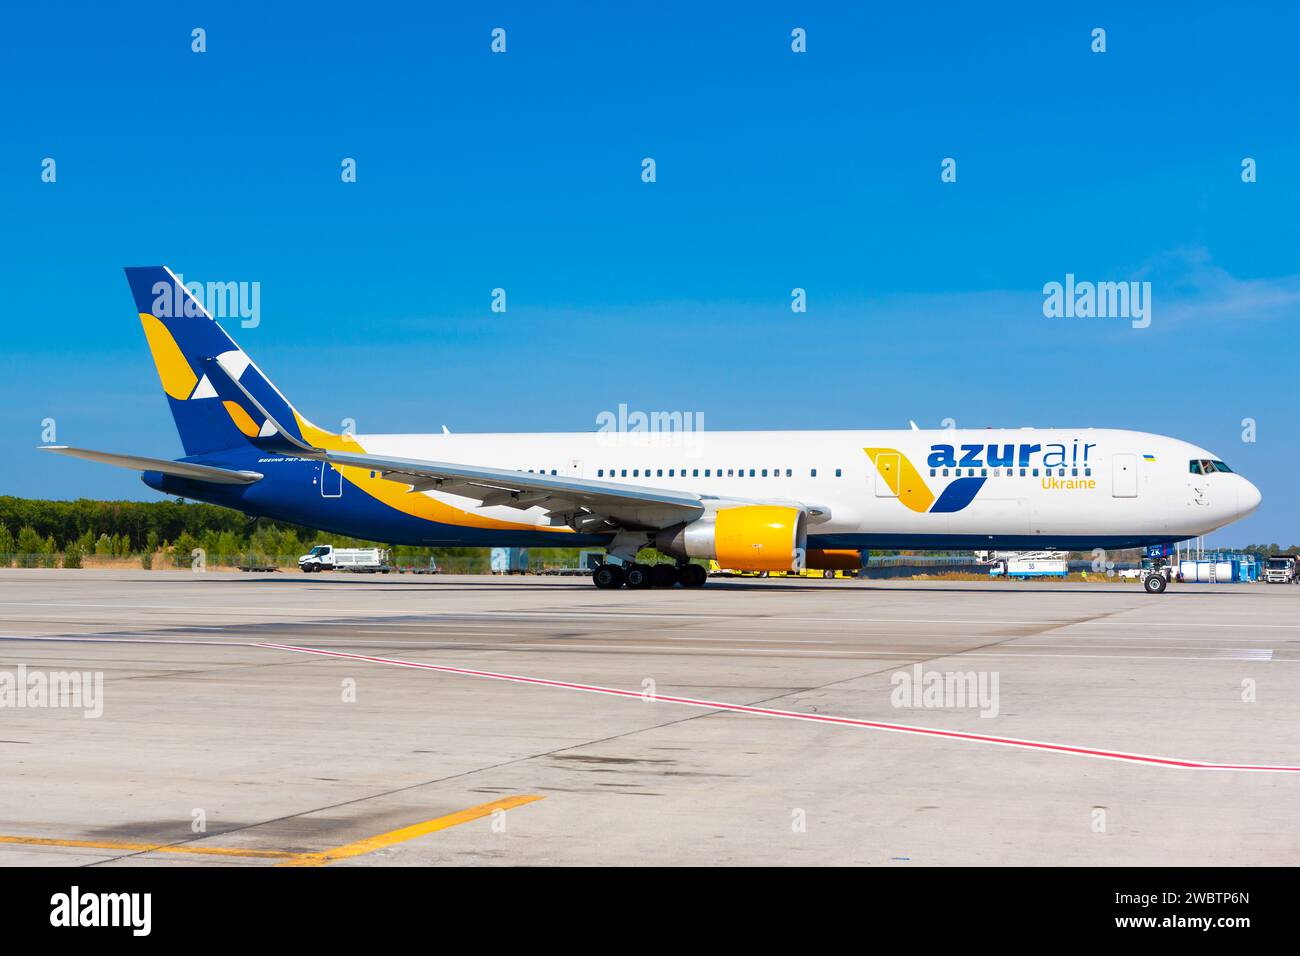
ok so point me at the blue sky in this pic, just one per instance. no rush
(775, 170)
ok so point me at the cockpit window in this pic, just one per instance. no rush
(1220, 466)
(1206, 466)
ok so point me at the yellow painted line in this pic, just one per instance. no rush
(393, 837)
(150, 847)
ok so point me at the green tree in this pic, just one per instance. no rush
(49, 552)
(28, 547)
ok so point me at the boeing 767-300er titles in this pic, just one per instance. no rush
(752, 501)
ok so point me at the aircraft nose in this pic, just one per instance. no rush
(1248, 497)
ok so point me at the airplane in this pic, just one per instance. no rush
(751, 501)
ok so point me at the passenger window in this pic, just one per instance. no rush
(814, 473)
(751, 472)
(984, 472)
(945, 472)
(764, 472)
(624, 472)
(600, 472)
(931, 472)
(695, 472)
(1035, 472)
(839, 473)
(659, 473)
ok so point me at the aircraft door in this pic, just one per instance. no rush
(331, 481)
(1124, 477)
(887, 470)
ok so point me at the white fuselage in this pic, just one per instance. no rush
(956, 488)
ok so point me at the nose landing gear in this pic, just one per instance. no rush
(1156, 578)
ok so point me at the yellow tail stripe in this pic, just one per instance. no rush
(178, 379)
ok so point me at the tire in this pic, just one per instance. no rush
(607, 577)
(663, 575)
(693, 576)
(828, 574)
(638, 577)
(1155, 584)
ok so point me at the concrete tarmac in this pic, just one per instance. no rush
(213, 751)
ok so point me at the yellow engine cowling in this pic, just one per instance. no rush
(741, 537)
(833, 560)
(758, 537)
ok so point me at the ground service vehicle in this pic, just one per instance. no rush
(326, 557)
(1282, 569)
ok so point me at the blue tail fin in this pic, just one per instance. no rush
(199, 365)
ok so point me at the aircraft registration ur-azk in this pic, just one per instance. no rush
(752, 501)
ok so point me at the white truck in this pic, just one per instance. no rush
(326, 557)
(1282, 569)
(1020, 565)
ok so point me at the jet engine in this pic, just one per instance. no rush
(741, 537)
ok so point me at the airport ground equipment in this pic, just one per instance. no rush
(326, 557)
(1282, 569)
(1220, 567)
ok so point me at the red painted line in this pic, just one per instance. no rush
(796, 715)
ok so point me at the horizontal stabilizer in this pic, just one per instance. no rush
(181, 469)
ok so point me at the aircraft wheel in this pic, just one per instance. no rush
(638, 576)
(1155, 584)
(663, 575)
(607, 577)
(693, 576)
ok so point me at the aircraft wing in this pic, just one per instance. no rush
(577, 502)
(569, 500)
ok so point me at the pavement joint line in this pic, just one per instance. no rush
(1037, 745)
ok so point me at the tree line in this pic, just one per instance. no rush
(41, 533)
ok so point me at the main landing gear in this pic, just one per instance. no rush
(608, 577)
